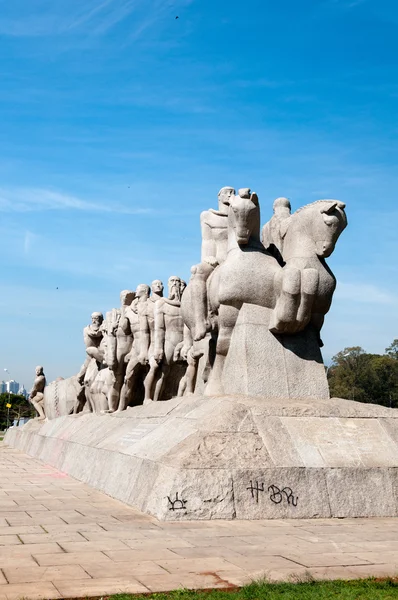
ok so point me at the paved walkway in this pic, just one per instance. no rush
(61, 538)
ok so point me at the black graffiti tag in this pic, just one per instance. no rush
(255, 490)
(177, 503)
(277, 495)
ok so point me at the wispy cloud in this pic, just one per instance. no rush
(32, 199)
(29, 240)
(91, 17)
(365, 294)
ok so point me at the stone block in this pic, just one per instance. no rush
(260, 363)
(359, 492)
(280, 493)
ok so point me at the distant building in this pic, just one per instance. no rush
(22, 391)
(12, 387)
(3, 387)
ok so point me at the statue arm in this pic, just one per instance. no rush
(208, 245)
(87, 338)
(124, 325)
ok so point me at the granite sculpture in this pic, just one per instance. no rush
(137, 358)
(248, 322)
(36, 396)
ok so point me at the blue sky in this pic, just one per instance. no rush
(120, 123)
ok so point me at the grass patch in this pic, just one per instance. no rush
(356, 589)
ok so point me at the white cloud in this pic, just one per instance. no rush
(25, 18)
(37, 199)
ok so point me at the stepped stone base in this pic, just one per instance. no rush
(230, 457)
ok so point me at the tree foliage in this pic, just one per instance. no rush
(357, 375)
(20, 407)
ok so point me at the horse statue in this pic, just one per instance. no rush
(297, 293)
(305, 286)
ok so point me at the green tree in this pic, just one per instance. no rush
(20, 407)
(357, 375)
(392, 350)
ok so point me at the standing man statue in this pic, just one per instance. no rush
(147, 328)
(214, 225)
(92, 336)
(120, 344)
(37, 392)
(169, 329)
(138, 355)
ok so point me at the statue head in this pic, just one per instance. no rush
(224, 196)
(319, 224)
(157, 287)
(39, 371)
(174, 285)
(245, 215)
(96, 319)
(142, 291)
(282, 206)
(126, 297)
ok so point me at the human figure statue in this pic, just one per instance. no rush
(169, 328)
(190, 353)
(147, 328)
(271, 234)
(37, 392)
(119, 346)
(214, 251)
(92, 336)
(137, 358)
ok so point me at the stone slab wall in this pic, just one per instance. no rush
(230, 457)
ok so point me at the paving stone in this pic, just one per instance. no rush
(327, 560)
(195, 565)
(99, 587)
(34, 574)
(106, 545)
(123, 569)
(38, 591)
(134, 555)
(73, 558)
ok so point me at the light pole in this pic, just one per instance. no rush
(9, 402)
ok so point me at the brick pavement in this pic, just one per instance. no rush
(59, 538)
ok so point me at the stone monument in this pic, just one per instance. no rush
(36, 396)
(250, 431)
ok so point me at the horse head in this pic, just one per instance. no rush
(244, 217)
(320, 222)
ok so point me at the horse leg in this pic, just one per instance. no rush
(309, 288)
(284, 314)
(227, 316)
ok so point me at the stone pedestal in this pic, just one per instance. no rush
(262, 364)
(230, 457)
